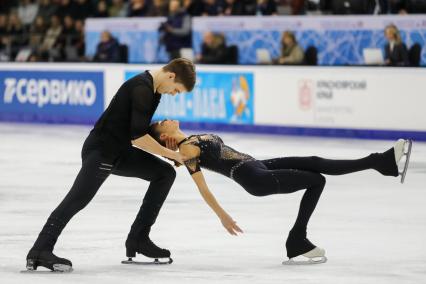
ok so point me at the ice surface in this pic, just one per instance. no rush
(372, 227)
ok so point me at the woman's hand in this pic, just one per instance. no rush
(230, 225)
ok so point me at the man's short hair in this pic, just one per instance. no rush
(184, 70)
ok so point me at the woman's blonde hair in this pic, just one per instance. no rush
(290, 35)
(394, 30)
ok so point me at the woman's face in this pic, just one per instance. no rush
(389, 34)
(208, 38)
(166, 127)
(288, 40)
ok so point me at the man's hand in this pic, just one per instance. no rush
(230, 225)
(171, 144)
(178, 157)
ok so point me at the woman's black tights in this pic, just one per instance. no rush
(290, 174)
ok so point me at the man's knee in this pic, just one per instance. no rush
(167, 172)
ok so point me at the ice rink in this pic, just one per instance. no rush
(372, 227)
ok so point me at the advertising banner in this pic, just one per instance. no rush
(339, 40)
(51, 96)
(218, 97)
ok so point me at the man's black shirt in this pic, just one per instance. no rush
(127, 117)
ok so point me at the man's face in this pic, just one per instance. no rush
(170, 87)
(174, 6)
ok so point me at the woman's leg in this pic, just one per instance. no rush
(260, 181)
(382, 162)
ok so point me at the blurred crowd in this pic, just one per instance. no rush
(53, 30)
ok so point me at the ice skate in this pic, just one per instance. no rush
(314, 256)
(48, 260)
(147, 248)
(402, 149)
(301, 251)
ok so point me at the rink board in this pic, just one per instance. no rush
(360, 102)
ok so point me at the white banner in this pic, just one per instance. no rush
(362, 98)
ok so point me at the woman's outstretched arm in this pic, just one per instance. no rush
(229, 224)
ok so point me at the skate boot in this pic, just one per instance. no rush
(147, 248)
(387, 162)
(47, 259)
(301, 251)
(402, 149)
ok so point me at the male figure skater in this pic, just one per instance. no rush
(119, 144)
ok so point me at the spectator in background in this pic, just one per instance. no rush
(108, 49)
(266, 7)
(298, 7)
(291, 52)
(27, 12)
(118, 8)
(82, 9)
(66, 7)
(395, 50)
(194, 8)
(65, 41)
(396, 6)
(16, 38)
(49, 49)
(78, 41)
(233, 8)
(37, 31)
(261, 7)
(101, 10)
(6, 6)
(176, 31)
(211, 8)
(213, 49)
(46, 9)
(138, 8)
(413, 7)
(3, 25)
(160, 8)
(3, 37)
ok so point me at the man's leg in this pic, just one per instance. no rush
(140, 164)
(91, 176)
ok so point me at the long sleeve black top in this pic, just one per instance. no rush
(127, 117)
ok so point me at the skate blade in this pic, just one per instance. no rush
(57, 268)
(155, 262)
(305, 261)
(407, 154)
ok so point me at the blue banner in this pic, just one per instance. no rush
(140, 35)
(218, 97)
(51, 96)
(339, 40)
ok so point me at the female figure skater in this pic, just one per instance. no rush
(273, 176)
